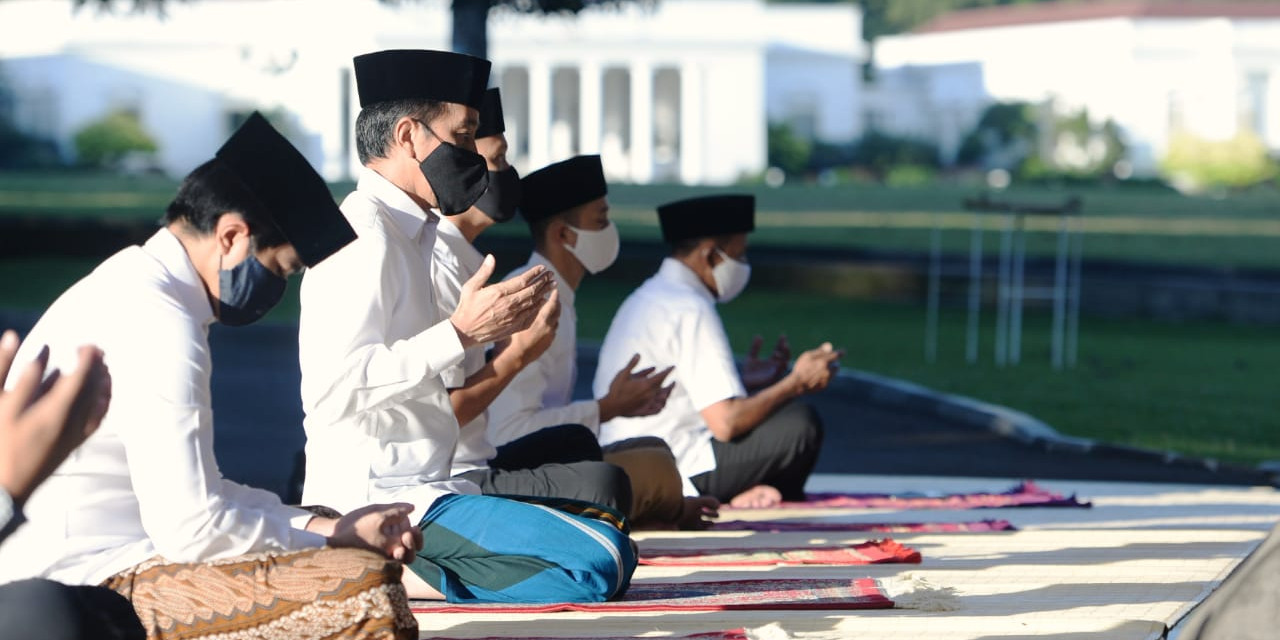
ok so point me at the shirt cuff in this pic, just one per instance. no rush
(303, 539)
(590, 415)
(439, 347)
(10, 515)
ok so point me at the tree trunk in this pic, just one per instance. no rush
(471, 27)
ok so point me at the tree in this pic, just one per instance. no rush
(470, 17)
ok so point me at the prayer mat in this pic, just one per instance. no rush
(737, 595)
(885, 551)
(776, 526)
(1024, 494)
(727, 634)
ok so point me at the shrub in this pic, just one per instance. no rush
(1194, 164)
(104, 143)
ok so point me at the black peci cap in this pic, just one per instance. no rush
(491, 123)
(707, 216)
(561, 186)
(289, 189)
(421, 74)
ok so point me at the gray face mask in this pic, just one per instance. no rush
(247, 291)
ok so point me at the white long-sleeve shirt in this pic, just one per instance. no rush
(541, 394)
(456, 260)
(146, 483)
(671, 319)
(372, 346)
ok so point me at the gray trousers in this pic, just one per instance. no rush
(557, 462)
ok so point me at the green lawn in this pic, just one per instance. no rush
(1123, 223)
(1200, 389)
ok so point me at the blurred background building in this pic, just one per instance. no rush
(688, 91)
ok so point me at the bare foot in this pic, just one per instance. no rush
(760, 496)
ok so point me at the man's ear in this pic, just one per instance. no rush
(402, 134)
(230, 232)
(560, 233)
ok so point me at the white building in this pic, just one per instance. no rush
(1155, 67)
(677, 92)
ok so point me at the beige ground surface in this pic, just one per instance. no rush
(1129, 568)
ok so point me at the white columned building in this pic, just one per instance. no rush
(656, 90)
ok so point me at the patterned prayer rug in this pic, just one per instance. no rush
(879, 527)
(727, 634)
(885, 551)
(1024, 494)
(758, 595)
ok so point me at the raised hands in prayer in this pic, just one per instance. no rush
(635, 393)
(43, 419)
(815, 368)
(491, 313)
(757, 373)
(532, 342)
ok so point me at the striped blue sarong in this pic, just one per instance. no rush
(493, 549)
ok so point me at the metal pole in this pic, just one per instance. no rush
(1073, 318)
(1019, 270)
(935, 292)
(1002, 292)
(975, 289)
(1060, 292)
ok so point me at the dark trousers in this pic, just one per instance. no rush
(563, 444)
(779, 452)
(55, 611)
(557, 462)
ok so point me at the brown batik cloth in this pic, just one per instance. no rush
(338, 594)
(657, 492)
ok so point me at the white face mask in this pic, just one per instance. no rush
(731, 277)
(596, 250)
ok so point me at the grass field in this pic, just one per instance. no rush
(1200, 389)
(1132, 223)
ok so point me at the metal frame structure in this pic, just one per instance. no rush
(1011, 290)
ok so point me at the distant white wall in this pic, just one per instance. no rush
(818, 94)
(1208, 76)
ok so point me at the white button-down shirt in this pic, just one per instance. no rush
(541, 394)
(372, 346)
(146, 483)
(672, 320)
(455, 262)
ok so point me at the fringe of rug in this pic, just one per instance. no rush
(771, 631)
(913, 591)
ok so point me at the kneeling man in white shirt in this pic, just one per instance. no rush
(740, 437)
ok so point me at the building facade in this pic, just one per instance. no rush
(1156, 68)
(679, 91)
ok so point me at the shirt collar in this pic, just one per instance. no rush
(404, 212)
(680, 275)
(566, 292)
(169, 252)
(451, 235)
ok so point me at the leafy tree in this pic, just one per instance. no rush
(786, 150)
(1004, 138)
(105, 142)
(470, 17)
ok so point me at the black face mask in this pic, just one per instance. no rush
(457, 176)
(502, 197)
(247, 291)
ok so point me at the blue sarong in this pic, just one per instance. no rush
(495, 549)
